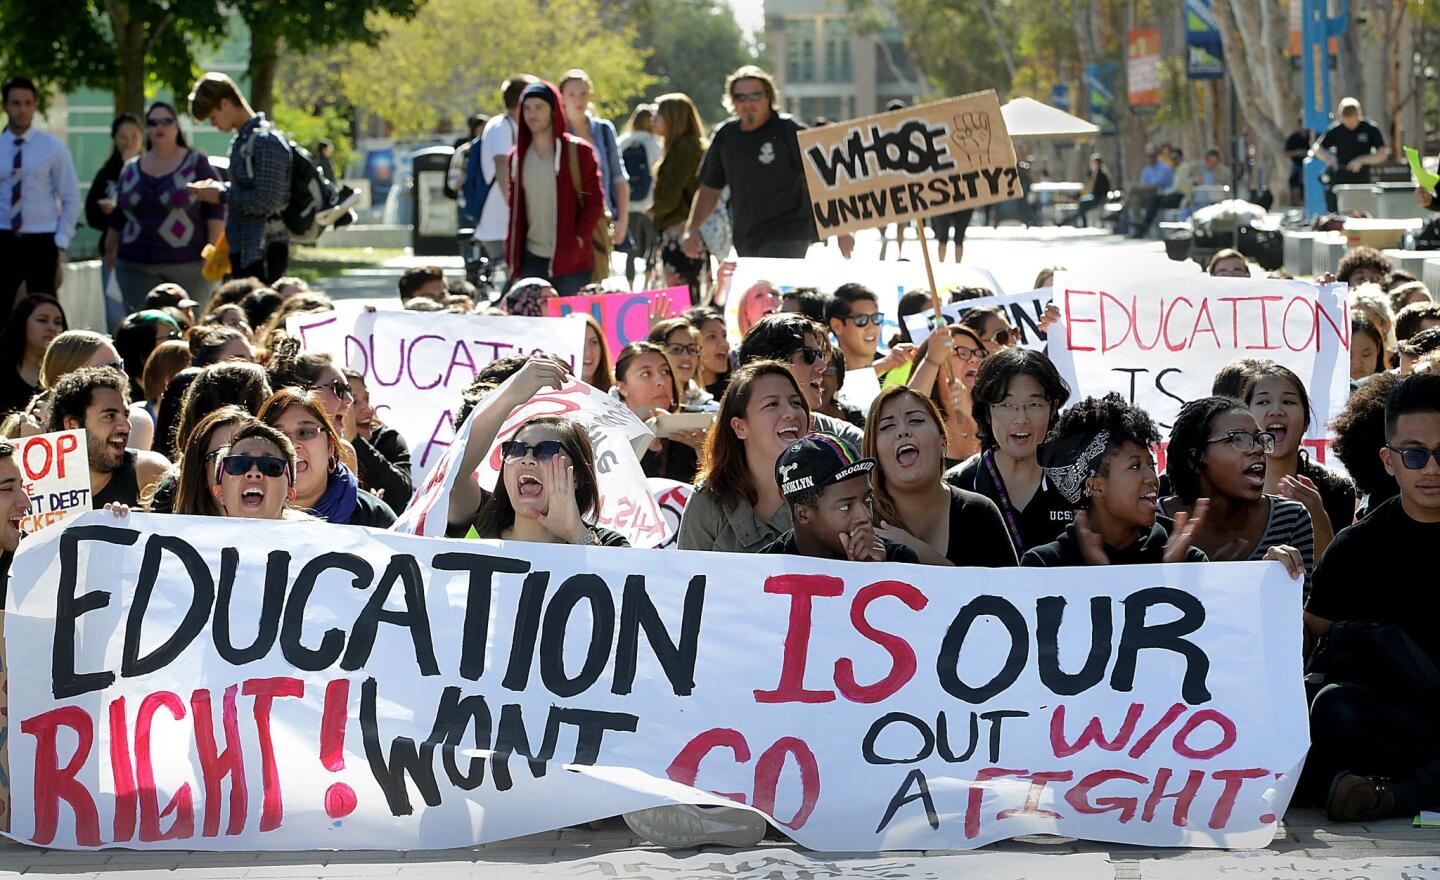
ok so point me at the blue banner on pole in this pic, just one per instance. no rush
(1100, 92)
(1060, 96)
(1204, 55)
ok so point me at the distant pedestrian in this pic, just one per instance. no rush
(678, 122)
(640, 153)
(490, 167)
(127, 139)
(575, 93)
(1350, 147)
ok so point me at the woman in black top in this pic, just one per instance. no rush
(944, 525)
(37, 319)
(645, 381)
(1016, 396)
(1099, 458)
(128, 140)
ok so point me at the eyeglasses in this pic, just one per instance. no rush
(154, 122)
(338, 387)
(747, 97)
(240, 465)
(514, 450)
(678, 349)
(301, 435)
(1414, 459)
(811, 355)
(965, 352)
(1033, 409)
(877, 319)
(1245, 442)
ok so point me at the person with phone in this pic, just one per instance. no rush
(645, 382)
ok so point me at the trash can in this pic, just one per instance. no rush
(435, 226)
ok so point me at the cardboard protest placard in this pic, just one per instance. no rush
(1023, 310)
(248, 684)
(909, 164)
(416, 364)
(1160, 341)
(55, 474)
(625, 317)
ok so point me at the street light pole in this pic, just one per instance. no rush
(1317, 27)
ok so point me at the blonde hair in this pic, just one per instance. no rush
(1349, 106)
(572, 75)
(68, 352)
(1374, 300)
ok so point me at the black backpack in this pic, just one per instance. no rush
(311, 193)
(637, 168)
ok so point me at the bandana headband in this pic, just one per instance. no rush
(1070, 479)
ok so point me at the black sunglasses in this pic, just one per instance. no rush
(811, 355)
(1414, 459)
(514, 450)
(866, 320)
(339, 387)
(161, 120)
(240, 465)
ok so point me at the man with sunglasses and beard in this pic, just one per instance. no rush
(1375, 749)
(803, 346)
(96, 399)
(854, 316)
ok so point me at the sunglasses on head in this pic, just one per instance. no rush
(1414, 459)
(240, 465)
(514, 450)
(338, 387)
(866, 320)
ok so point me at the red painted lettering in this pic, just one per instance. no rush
(902, 656)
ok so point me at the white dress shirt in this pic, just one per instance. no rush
(49, 194)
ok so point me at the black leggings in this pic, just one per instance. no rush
(945, 223)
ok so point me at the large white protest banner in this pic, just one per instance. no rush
(626, 504)
(1160, 341)
(55, 475)
(1023, 310)
(205, 683)
(416, 364)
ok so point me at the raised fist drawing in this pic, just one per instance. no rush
(972, 136)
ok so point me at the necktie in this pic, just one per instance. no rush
(15, 189)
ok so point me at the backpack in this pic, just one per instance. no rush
(309, 208)
(475, 189)
(637, 168)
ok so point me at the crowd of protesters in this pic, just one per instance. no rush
(976, 453)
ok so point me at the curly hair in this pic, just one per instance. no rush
(1362, 258)
(1125, 422)
(71, 395)
(1189, 438)
(1360, 432)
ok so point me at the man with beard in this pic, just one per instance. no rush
(95, 398)
(14, 504)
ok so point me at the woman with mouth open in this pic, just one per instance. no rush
(1017, 394)
(1099, 457)
(943, 524)
(737, 506)
(547, 493)
(1217, 457)
(962, 351)
(255, 474)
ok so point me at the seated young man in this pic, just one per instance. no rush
(827, 486)
(1375, 755)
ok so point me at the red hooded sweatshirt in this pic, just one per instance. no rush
(575, 216)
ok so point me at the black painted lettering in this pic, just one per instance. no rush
(1136, 635)
(293, 625)
(1049, 611)
(403, 568)
(202, 599)
(947, 661)
(277, 578)
(482, 569)
(558, 614)
(64, 680)
(677, 659)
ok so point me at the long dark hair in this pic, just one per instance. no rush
(724, 471)
(885, 507)
(498, 513)
(234, 382)
(635, 350)
(179, 132)
(12, 338)
(123, 119)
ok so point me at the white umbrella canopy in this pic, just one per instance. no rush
(1029, 119)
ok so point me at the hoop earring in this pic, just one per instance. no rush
(334, 462)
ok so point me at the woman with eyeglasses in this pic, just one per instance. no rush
(1217, 456)
(1017, 394)
(947, 371)
(547, 492)
(681, 342)
(324, 485)
(385, 471)
(993, 328)
(158, 228)
(645, 382)
(943, 524)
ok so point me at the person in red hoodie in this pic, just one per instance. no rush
(555, 196)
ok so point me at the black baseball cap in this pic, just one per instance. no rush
(816, 461)
(169, 294)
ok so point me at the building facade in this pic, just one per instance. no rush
(826, 70)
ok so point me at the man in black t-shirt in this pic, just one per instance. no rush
(1376, 754)
(757, 155)
(1350, 147)
(827, 486)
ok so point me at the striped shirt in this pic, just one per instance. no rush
(1289, 525)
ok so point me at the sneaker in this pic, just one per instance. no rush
(1356, 798)
(689, 825)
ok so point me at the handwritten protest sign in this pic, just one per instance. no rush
(671, 496)
(618, 437)
(199, 683)
(1160, 341)
(1023, 310)
(55, 474)
(1270, 866)
(416, 364)
(911, 163)
(623, 316)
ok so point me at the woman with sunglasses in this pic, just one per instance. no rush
(944, 525)
(158, 228)
(324, 484)
(385, 471)
(681, 342)
(193, 475)
(645, 382)
(547, 492)
(991, 325)
(947, 371)
(1217, 456)
(255, 473)
(1017, 394)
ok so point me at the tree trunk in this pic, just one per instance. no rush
(1262, 80)
(131, 45)
(264, 61)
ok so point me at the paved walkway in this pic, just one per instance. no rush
(1304, 833)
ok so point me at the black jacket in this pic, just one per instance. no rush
(384, 465)
(1149, 548)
